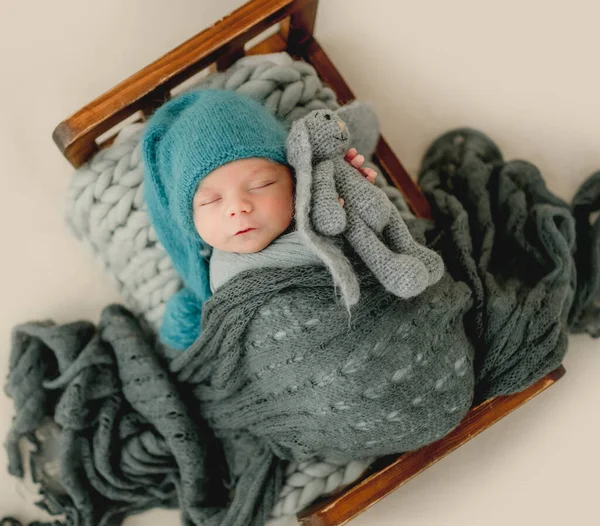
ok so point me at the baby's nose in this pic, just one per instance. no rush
(240, 207)
(341, 125)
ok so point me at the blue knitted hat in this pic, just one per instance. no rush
(186, 139)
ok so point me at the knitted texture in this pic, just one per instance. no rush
(105, 199)
(501, 231)
(306, 481)
(315, 147)
(585, 314)
(278, 375)
(286, 251)
(135, 435)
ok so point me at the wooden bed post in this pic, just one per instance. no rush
(301, 27)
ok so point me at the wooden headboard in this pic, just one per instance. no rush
(217, 48)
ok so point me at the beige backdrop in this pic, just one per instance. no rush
(524, 71)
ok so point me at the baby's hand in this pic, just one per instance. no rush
(357, 160)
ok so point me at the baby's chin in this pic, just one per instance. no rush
(250, 242)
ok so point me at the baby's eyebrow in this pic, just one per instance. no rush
(255, 173)
(204, 192)
(252, 175)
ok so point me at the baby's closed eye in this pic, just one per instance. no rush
(261, 184)
(208, 200)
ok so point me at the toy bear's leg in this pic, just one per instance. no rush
(401, 242)
(401, 274)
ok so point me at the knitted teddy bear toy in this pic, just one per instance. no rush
(343, 202)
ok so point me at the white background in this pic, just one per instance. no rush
(525, 72)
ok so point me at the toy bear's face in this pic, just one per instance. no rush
(328, 134)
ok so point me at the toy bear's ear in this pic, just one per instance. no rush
(299, 150)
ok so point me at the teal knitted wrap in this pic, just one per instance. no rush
(186, 139)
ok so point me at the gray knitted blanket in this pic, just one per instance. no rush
(281, 372)
(276, 375)
(531, 261)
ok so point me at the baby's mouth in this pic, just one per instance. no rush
(245, 231)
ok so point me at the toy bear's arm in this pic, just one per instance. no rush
(328, 215)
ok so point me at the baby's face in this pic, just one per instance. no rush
(244, 205)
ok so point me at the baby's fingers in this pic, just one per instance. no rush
(358, 161)
(350, 154)
(370, 174)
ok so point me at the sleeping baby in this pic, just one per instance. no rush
(220, 196)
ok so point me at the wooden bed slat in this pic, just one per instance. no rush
(75, 136)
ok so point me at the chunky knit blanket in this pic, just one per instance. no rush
(282, 373)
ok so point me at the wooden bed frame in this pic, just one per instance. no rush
(217, 48)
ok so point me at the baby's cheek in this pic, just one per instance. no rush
(205, 226)
(200, 221)
(285, 212)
